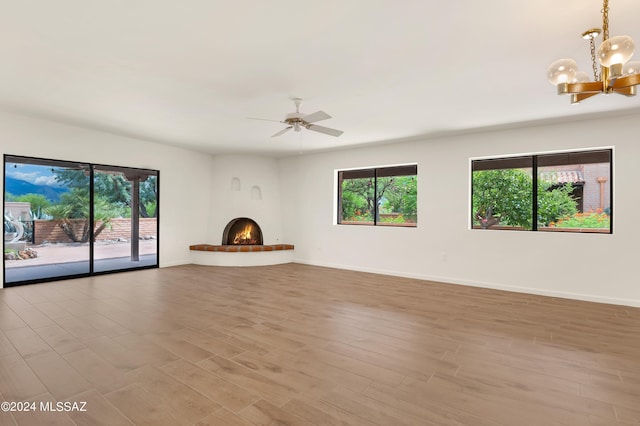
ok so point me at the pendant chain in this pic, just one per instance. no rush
(594, 64)
(605, 20)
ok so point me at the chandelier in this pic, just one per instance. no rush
(615, 74)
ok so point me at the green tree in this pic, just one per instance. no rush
(506, 195)
(554, 202)
(38, 202)
(357, 199)
(114, 188)
(73, 214)
(72, 178)
(354, 205)
(149, 197)
(402, 196)
(394, 193)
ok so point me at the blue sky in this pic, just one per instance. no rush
(38, 175)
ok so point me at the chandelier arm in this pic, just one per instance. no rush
(626, 91)
(579, 88)
(578, 97)
(626, 81)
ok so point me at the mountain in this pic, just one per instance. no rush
(19, 187)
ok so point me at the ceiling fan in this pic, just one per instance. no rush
(297, 120)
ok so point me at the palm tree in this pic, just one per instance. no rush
(72, 212)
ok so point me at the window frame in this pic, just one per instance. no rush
(545, 159)
(409, 169)
(90, 170)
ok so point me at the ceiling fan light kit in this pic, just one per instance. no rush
(297, 120)
(617, 74)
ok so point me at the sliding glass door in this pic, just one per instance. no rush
(67, 219)
(46, 219)
(125, 206)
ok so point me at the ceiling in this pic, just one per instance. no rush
(189, 72)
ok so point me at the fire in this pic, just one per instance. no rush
(244, 236)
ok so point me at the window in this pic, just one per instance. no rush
(565, 192)
(383, 196)
(64, 219)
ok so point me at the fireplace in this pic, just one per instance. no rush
(242, 231)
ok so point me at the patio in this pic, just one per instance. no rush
(59, 260)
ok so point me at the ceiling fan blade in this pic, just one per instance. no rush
(316, 116)
(325, 130)
(283, 131)
(263, 119)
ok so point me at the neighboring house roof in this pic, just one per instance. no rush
(562, 177)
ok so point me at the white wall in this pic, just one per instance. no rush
(297, 206)
(443, 248)
(185, 176)
(227, 204)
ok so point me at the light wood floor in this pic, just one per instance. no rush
(295, 344)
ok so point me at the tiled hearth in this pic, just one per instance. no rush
(241, 255)
(241, 248)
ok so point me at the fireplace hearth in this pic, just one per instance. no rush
(242, 231)
(242, 245)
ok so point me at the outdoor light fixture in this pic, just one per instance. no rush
(617, 74)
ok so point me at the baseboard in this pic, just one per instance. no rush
(175, 263)
(493, 286)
